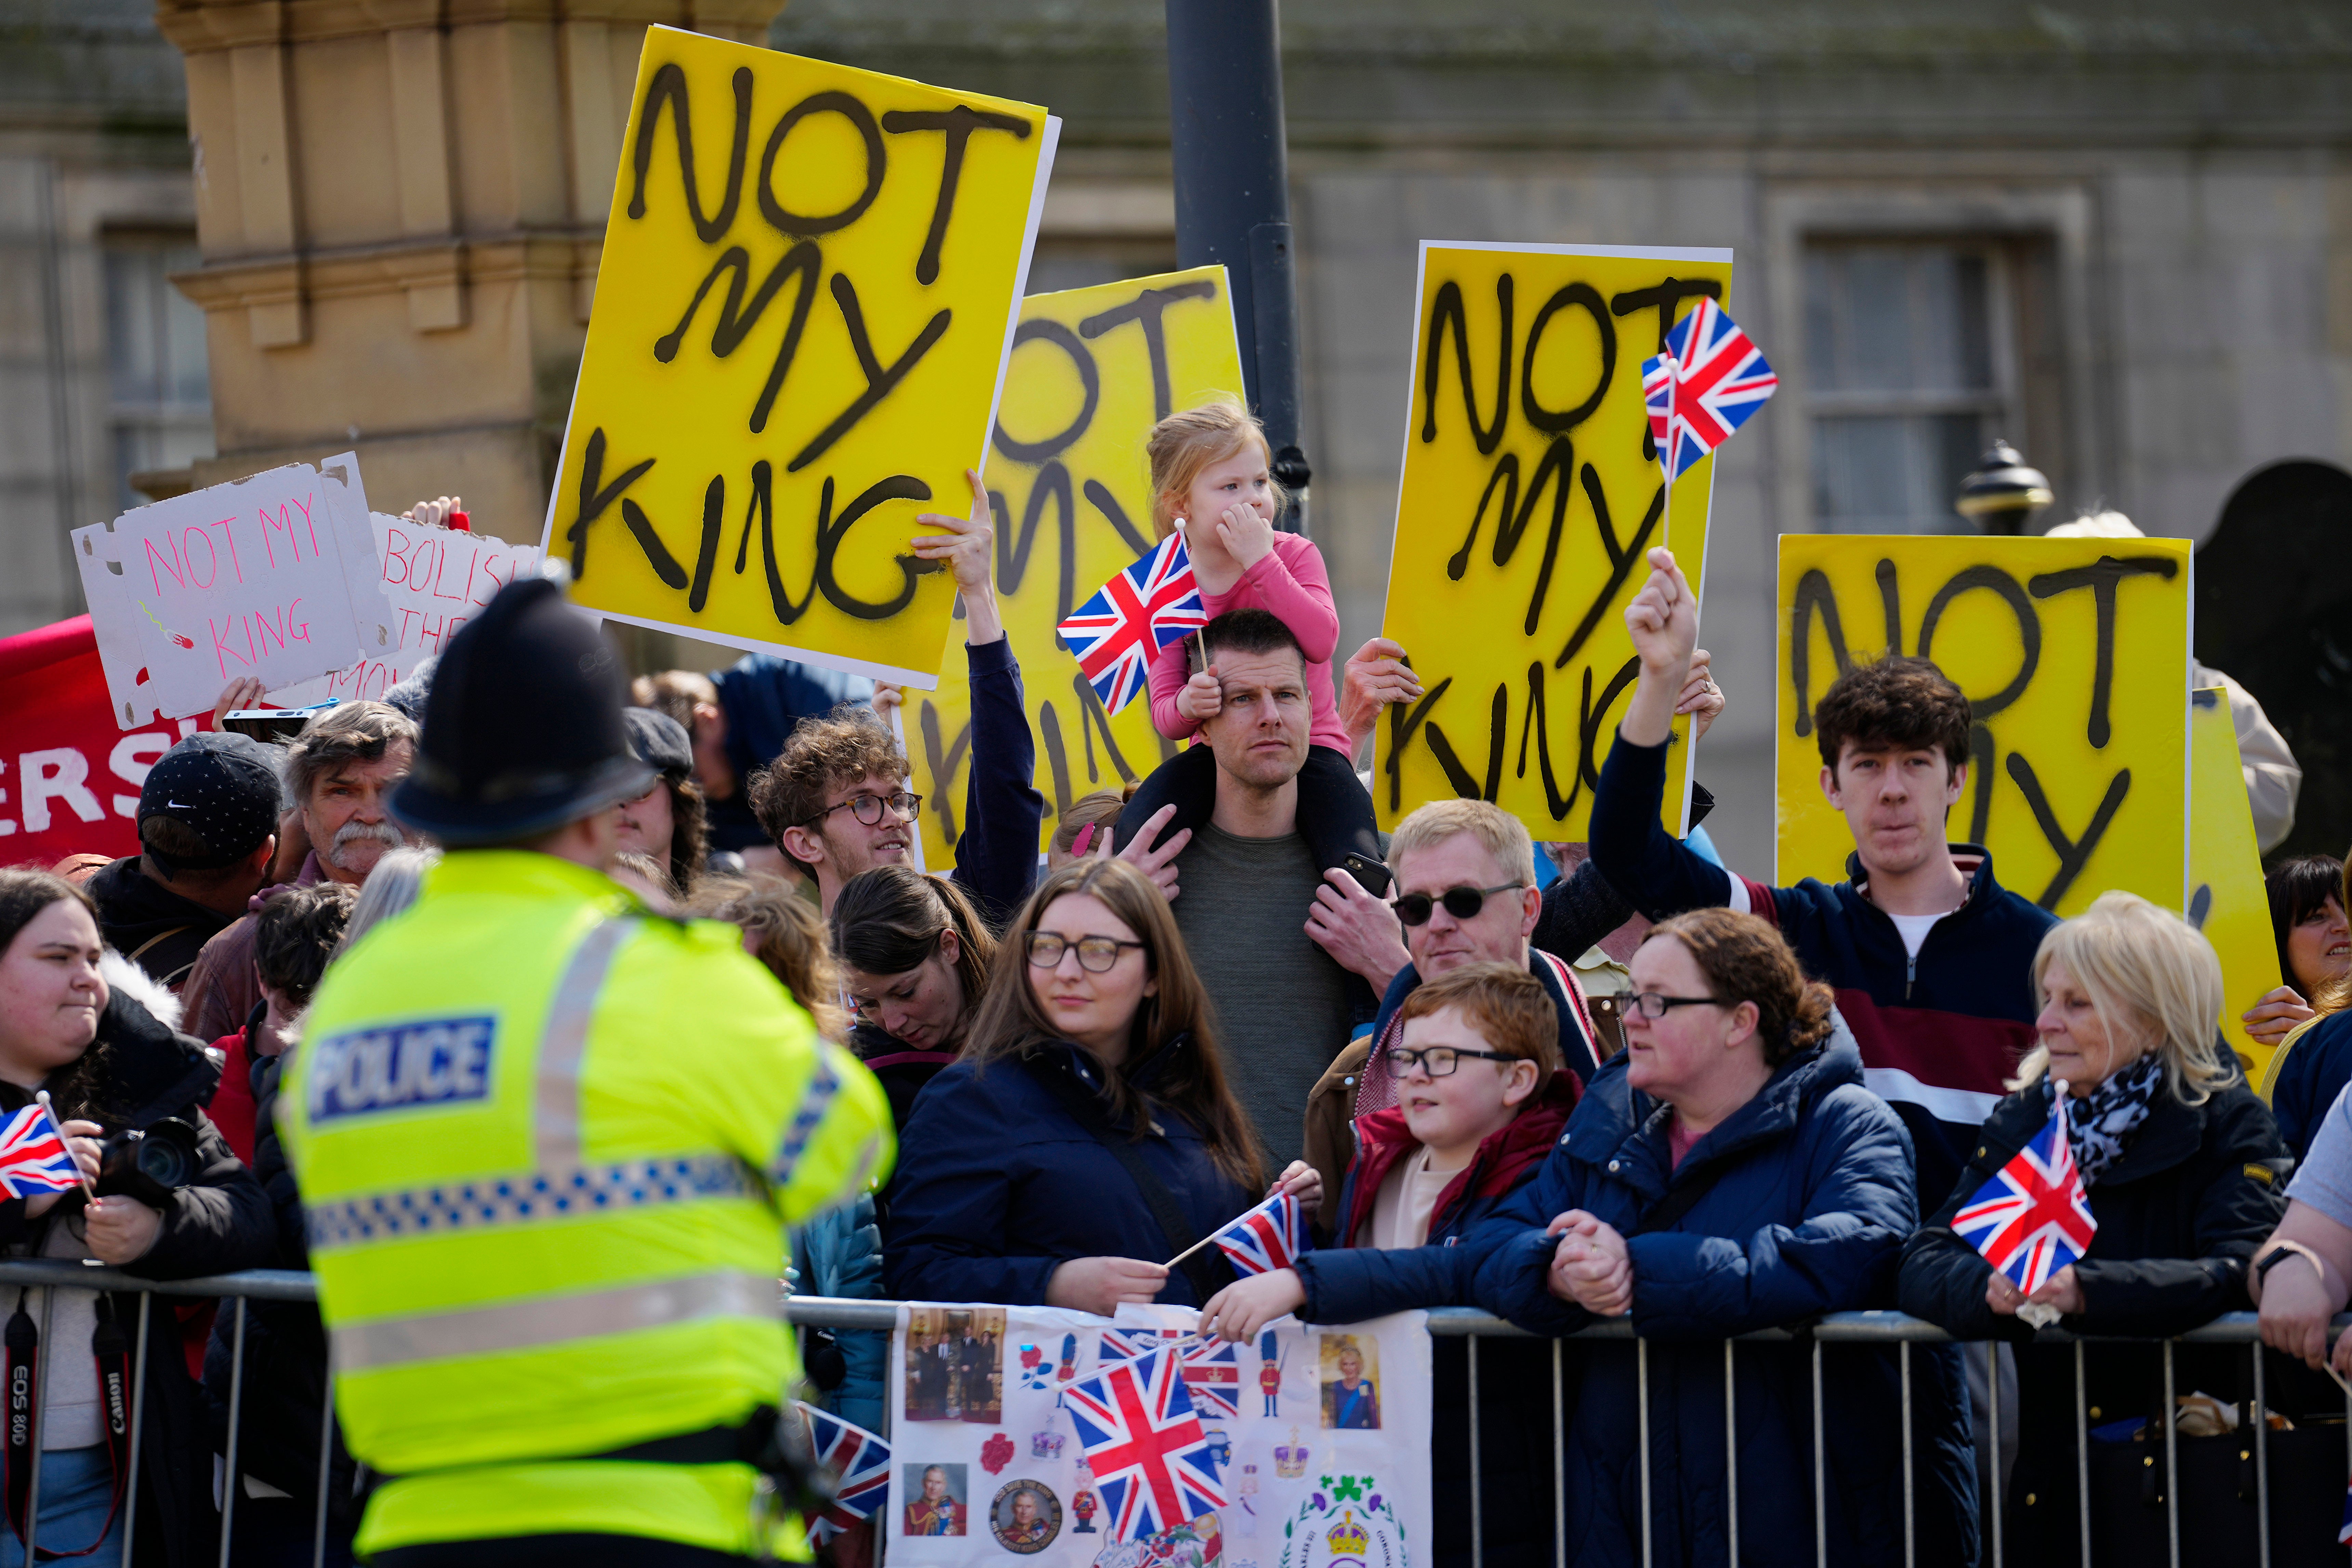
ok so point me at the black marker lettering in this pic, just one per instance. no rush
(2102, 578)
(668, 85)
(957, 123)
(1146, 311)
(592, 500)
(1814, 596)
(1666, 297)
(1586, 297)
(736, 318)
(1089, 383)
(880, 381)
(830, 531)
(664, 565)
(1594, 716)
(1622, 561)
(1538, 725)
(1116, 515)
(1983, 750)
(2072, 855)
(1890, 607)
(1447, 308)
(1511, 520)
(1013, 545)
(1049, 726)
(1402, 723)
(943, 759)
(2029, 629)
(1094, 716)
(714, 511)
(762, 502)
(861, 120)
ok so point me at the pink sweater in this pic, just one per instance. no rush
(1291, 581)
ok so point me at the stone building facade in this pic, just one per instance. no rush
(2119, 234)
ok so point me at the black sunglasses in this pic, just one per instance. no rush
(1462, 903)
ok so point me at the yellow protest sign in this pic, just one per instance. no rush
(2227, 899)
(1531, 493)
(801, 314)
(2073, 654)
(1092, 371)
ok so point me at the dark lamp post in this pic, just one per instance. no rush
(2003, 493)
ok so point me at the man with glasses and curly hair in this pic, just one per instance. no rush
(1466, 890)
(835, 800)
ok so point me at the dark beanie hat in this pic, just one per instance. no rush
(661, 741)
(219, 786)
(523, 730)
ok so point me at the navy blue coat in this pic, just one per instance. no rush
(1811, 1198)
(2316, 1068)
(998, 1185)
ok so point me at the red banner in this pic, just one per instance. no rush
(69, 777)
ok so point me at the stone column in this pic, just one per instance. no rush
(400, 206)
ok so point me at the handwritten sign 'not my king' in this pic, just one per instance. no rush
(272, 577)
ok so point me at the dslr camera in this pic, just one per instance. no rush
(150, 1164)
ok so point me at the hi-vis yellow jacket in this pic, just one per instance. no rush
(547, 1145)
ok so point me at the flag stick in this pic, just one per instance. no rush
(87, 1190)
(1192, 1249)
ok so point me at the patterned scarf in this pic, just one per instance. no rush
(2101, 1123)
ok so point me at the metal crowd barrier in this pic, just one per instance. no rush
(806, 1313)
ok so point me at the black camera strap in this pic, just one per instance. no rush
(111, 1348)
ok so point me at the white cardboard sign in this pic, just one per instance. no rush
(272, 577)
(432, 581)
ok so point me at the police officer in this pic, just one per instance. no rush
(548, 1144)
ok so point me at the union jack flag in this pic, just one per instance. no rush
(1133, 616)
(1152, 1462)
(34, 1158)
(1706, 385)
(1212, 1377)
(2344, 1533)
(2033, 1217)
(860, 1465)
(1268, 1238)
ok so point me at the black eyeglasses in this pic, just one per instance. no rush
(1440, 1059)
(1097, 954)
(1462, 903)
(867, 808)
(1658, 1004)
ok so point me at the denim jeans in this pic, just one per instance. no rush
(77, 1490)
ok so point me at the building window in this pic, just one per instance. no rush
(158, 398)
(1911, 374)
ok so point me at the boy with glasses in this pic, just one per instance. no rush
(1465, 874)
(1481, 1100)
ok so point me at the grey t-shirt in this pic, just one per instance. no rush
(2323, 1180)
(1281, 1001)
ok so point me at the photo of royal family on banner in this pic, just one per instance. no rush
(1097, 1442)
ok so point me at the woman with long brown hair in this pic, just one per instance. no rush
(1086, 1131)
(915, 957)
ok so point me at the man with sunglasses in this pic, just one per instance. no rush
(1465, 874)
(1929, 956)
(835, 800)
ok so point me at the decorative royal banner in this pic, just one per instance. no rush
(2073, 654)
(1092, 371)
(1531, 494)
(1316, 1436)
(272, 577)
(801, 319)
(2227, 899)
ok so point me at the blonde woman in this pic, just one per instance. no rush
(2184, 1169)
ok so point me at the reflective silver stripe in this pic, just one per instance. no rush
(563, 1044)
(544, 1321)
(534, 1198)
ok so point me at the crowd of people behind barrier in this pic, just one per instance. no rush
(1487, 1086)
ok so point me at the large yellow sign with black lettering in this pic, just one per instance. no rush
(1531, 494)
(1093, 370)
(2227, 899)
(808, 279)
(2073, 654)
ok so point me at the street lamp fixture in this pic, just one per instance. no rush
(2003, 493)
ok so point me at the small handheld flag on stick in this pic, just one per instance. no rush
(1270, 1237)
(1705, 385)
(1130, 618)
(34, 1156)
(860, 1463)
(2034, 1216)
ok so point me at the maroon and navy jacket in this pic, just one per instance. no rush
(1346, 1284)
(1939, 1033)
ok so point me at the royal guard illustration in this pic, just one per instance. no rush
(1069, 1367)
(1269, 1371)
(1083, 1507)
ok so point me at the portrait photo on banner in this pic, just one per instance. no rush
(938, 1500)
(1530, 494)
(1092, 370)
(802, 309)
(2073, 656)
(955, 1364)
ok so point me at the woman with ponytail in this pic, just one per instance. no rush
(1726, 1173)
(915, 956)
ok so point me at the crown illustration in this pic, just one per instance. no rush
(1290, 1459)
(1046, 1445)
(1347, 1537)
